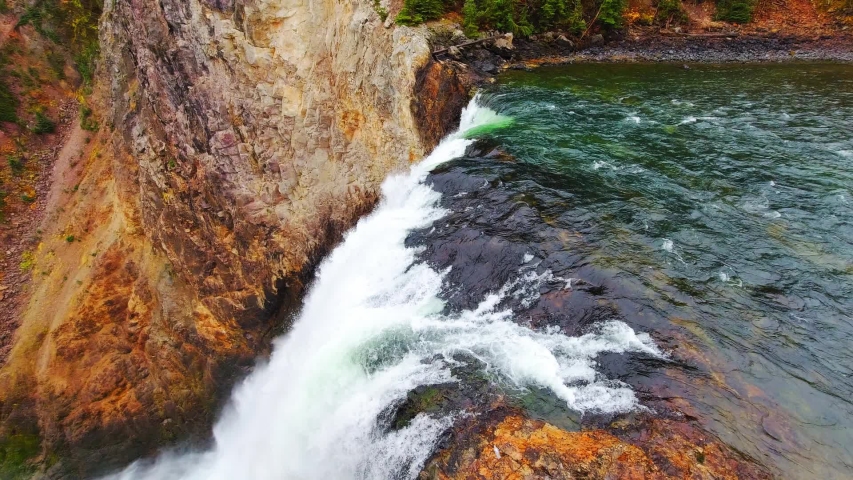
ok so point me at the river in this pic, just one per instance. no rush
(594, 240)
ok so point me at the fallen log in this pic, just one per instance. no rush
(464, 44)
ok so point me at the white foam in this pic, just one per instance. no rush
(526, 286)
(371, 330)
(756, 205)
(598, 164)
(729, 278)
(667, 245)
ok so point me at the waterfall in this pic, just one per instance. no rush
(373, 328)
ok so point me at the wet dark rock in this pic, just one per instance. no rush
(565, 42)
(471, 393)
(495, 233)
(487, 67)
(444, 93)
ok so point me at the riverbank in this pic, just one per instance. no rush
(711, 48)
(778, 31)
(488, 59)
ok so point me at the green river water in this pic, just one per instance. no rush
(723, 197)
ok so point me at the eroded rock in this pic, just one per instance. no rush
(510, 446)
(241, 144)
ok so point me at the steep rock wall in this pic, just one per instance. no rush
(258, 127)
(241, 138)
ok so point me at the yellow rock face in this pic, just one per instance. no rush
(240, 140)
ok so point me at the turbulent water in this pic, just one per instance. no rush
(712, 206)
(373, 328)
(579, 212)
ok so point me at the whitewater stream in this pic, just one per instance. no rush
(372, 329)
(595, 243)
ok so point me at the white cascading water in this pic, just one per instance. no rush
(371, 330)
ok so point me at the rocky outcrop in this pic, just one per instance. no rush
(506, 445)
(442, 94)
(241, 138)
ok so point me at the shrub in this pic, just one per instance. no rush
(16, 164)
(43, 124)
(43, 15)
(28, 261)
(74, 21)
(87, 120)
(670, 11)
(736, 11)
(469, 18)
(16, 454)
(85, 62)
(561, 13)
(611, 12)
(419, 11)
(56, 62)
(501, 15)
(8, 104)
(521, 17)
(380, 10)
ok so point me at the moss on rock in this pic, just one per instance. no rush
(17, 453)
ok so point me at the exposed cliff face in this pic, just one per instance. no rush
(246, 136)
(257, 135)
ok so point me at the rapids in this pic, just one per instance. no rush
(373, 328)
(710, 207)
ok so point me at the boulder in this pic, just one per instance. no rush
(504, 42)
(564, 42)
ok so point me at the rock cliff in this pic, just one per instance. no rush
(240, 139)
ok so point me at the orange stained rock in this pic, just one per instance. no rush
(521, 448)
(518, 448)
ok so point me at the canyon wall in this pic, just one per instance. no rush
(239, 139)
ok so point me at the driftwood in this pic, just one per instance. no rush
(464, 44)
